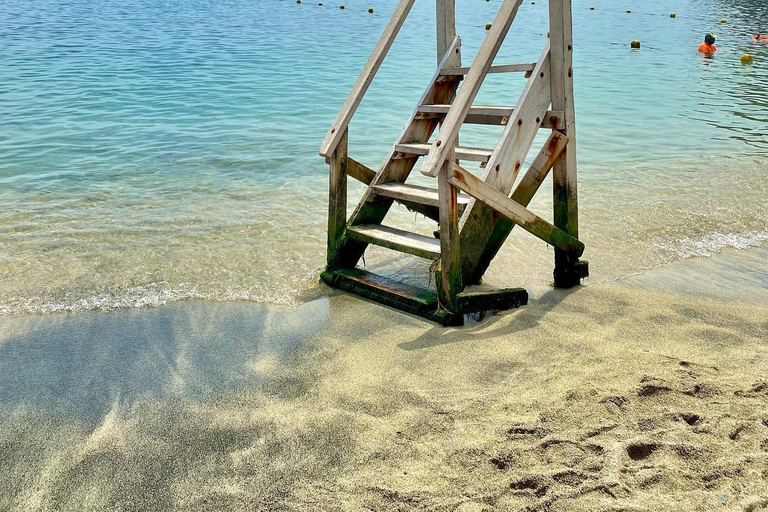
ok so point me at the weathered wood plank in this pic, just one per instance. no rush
(472, 82)
(365, 175)
(337, 201)
(449, 279)
(360, 87)
(504, 68)
(445, 18)
(394, 169)
(397, 240)
(520, 131)
(566, 215)
(462, 153)
(491, 115)
(519, 214)
(496, 300)
(415, 194)
(540, 167)
(360, 172)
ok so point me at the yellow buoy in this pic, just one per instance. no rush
(488, 26)
(746, 59)
(370, 9)
(672, 15)
(634, 44)
(722, 20)
(341, 7)
(547, 33)
(591, 8)
(629, 12)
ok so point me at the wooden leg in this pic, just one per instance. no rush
(337, 201)
(449, 283)
(568, 270)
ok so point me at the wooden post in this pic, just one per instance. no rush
(568, 270)
(449, 281)
(337, 201)
(446, 29)
(449, 285)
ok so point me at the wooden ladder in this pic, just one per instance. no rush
(474, 224)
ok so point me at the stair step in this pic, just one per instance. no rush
(462, 153)
(397, 240)
(416, 194)
(488, 114)
(478, 114)
(505, 68)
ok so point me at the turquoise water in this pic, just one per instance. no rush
(152, 151)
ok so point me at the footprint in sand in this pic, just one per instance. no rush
(641, 451)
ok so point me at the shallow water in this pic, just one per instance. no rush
(161, 151)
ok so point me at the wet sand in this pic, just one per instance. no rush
(647, 394)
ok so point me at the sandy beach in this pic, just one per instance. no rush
(647, 394)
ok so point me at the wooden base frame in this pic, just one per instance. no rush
(421, 302)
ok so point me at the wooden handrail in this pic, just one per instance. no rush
(472, 82)
(339, 126)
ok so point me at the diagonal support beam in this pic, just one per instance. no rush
(519, 133)
(449, 131)
(514, 211)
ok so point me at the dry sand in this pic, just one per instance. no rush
(645, 395)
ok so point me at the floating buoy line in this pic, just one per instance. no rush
(746, 59)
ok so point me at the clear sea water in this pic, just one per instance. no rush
(157, 150)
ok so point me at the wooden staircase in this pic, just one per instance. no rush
(475, 213)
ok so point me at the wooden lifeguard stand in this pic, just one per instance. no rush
(473, 225)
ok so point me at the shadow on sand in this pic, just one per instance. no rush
(526, 317)
(82, 364)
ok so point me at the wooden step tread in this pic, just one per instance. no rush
(473, 110)
(397, 240)
(504, 68)
(416, 194)
(462, 153)
(489, 114)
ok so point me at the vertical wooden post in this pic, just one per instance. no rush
(449, 284)
(449, 280)
(568, 271)
(446, 27)
(337, 201)
(446, 31)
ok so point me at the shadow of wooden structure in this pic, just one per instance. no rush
(473, 225)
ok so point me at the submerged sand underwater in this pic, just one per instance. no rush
(649, 394)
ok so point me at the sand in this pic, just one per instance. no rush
(647, 394)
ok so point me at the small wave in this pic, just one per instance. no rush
(712, 243)
(155, 295)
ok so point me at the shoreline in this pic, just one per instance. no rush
(649, 394)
